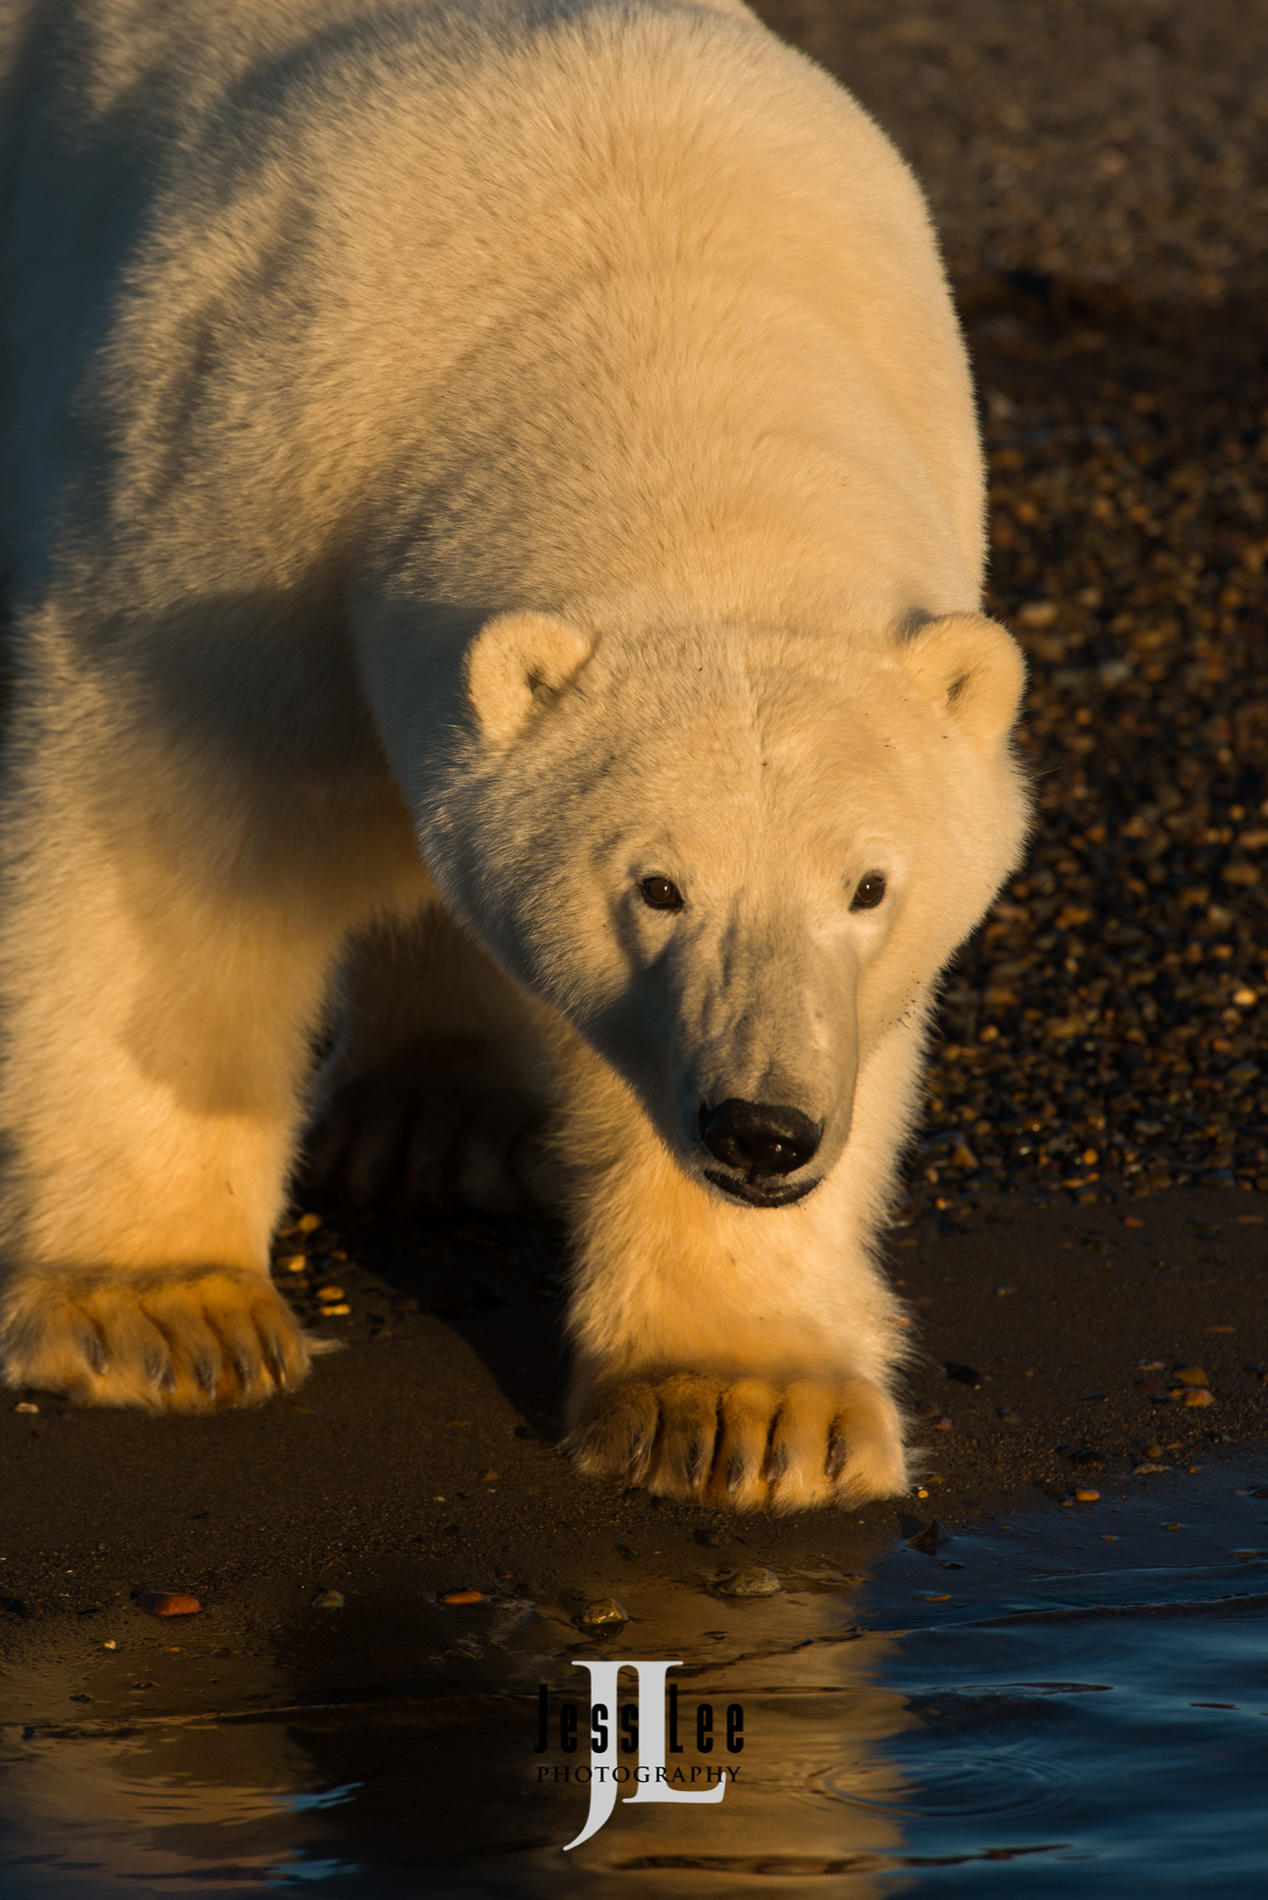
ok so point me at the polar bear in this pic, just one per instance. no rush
(493, 533)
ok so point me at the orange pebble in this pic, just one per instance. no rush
(464, 1596)
(167, 1603)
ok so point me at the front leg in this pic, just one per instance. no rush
(156, 1016)
(736, 1356)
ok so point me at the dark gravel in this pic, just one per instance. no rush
(1100, 177)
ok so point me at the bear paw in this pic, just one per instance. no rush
(391, 1138)
(747, 1444)
(176, 1342)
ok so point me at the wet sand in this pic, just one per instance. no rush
(422, 1459)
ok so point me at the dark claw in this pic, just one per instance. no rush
(776, 1465)
(245, 1371)
(205, 1371)
(838, 1452)
(735, 1471)
(160, 1373)
(695, 1464)
(640, 1458)
(276, 1359)
(95, 1353)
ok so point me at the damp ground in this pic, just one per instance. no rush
(1041, 1672)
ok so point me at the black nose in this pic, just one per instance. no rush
(757, 1138)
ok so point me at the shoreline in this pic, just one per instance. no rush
(422, 1459)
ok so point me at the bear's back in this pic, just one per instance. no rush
(286, 225)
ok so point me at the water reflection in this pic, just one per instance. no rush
(1030, 1720)
(398, 1787)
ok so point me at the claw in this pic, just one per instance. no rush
(838, 1452)
(695, 1465)
(640, 1458)
(205, 1372)
(159, 1372)
(776, 1465)
(275, 1359)
(735, 1471)
(245, 1371)
(95, 1353)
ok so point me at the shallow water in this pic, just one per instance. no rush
(1040, 1708)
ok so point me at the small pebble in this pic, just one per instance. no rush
(466, 1649)
(929, 1408)
(25, 1405)
(488, 1477)
(294, 1263)
(110, 1643)
(1141, 1471)
(929, 1537)
(1087, 1497)
(329, 1600)
(757, 1582)
(1190, 1375)
(167, 1603)
(1198, 1395)
(306, 1224)
(944, 1425)
(604, 1614)
(1153, 1451)
(1010, 1420)
(964, 1375)
(463, 1596)
(1003, 1290)
(336, 1312)
(330, 1293)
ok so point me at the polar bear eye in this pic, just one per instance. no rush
(660, 894)
(869, 892)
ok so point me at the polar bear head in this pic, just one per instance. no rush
(734, 860)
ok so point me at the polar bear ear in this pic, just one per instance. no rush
(517, 663)
(972, 670)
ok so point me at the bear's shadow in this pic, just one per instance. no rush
(497, 1280)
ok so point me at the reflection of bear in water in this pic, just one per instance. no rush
(495, 508)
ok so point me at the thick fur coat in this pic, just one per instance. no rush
(493, 535)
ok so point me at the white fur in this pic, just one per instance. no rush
(464, 459)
